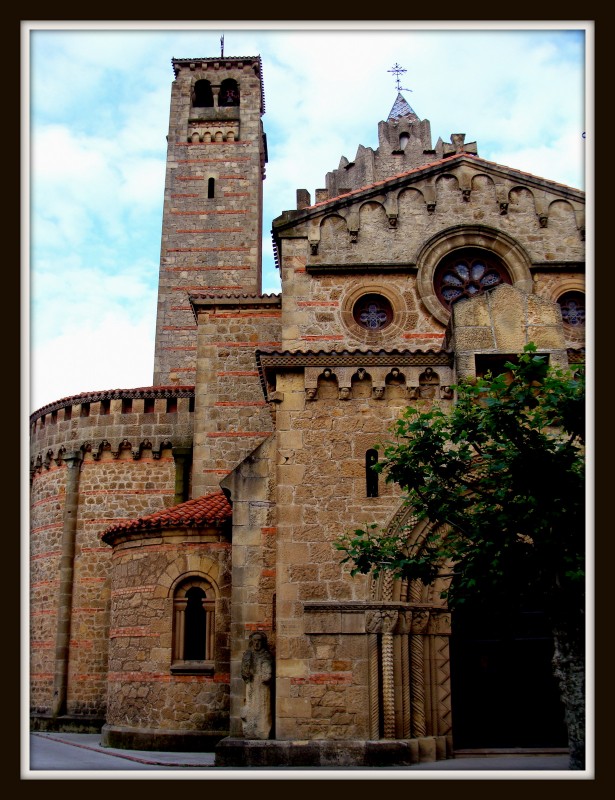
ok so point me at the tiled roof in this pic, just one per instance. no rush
(210, 509)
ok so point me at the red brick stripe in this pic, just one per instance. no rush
(210, 230)
(237, 373)
(219, 434)
(331, 338)
(324, 678)
(208, 160)
(203, 212)
(325, 303)
(205, 269)
(208, 249)
(246, 344)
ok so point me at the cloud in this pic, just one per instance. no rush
(99, 106)
(111, 351)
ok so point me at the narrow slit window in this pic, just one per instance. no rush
(211, 188)
(371, 476)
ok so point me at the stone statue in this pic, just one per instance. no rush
(257, 672)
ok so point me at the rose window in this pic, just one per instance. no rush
(372, 312)
(467, 274)
(572, 305)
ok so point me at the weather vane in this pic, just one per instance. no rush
(397, 71)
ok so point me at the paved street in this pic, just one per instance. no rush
(76, 752)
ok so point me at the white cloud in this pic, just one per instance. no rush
(99, 109)
(111, 351)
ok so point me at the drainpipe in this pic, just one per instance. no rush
(65, 597)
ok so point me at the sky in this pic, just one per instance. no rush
(95, 106)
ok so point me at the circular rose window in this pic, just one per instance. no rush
(467, 273)
(372, 312)
(572, 305)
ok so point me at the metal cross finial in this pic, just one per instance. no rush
(222, 46)
(397, 71)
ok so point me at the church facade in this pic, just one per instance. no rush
(171, 523)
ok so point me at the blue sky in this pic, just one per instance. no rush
(95, 106)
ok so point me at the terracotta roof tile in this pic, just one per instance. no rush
(206, 510)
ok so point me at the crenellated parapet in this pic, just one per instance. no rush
(116, 424)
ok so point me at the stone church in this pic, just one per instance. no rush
(186, 593)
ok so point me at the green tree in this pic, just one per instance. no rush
(503, 474)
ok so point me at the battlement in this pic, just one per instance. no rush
(117, 422)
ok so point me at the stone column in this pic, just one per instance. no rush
(420, 620)
(65, 594)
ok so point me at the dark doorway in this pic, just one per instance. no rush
(504, 694)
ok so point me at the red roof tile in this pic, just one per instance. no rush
(210, 509)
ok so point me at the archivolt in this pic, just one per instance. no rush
(385, 587)
(482, 237)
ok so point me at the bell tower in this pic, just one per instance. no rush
(212, 216)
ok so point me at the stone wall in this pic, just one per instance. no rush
(323, 680)
(117, 478)
(232, 415)
(252, 493)
(144, 692)
(212, 215)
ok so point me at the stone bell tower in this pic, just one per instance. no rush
(212, 217)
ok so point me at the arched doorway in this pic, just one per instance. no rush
(504, 694)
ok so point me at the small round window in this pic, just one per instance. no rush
(372, 312)
(572, 305)
(467, 273)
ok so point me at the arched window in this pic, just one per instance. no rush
(211, 188)
(373, 312)
(467, 273)
(572, 305)
(371, 476)
(229, 93)
(203, 96)
(193, 626)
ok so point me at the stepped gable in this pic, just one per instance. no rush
(210, 509)
(448, 161)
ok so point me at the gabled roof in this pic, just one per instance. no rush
(210, 509)
(401, 108)
(447, 163)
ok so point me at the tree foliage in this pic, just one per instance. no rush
(501, 476)
(504, 470)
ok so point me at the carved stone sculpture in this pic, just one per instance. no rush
(257, 672)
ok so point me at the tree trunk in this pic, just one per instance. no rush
(569, 669)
